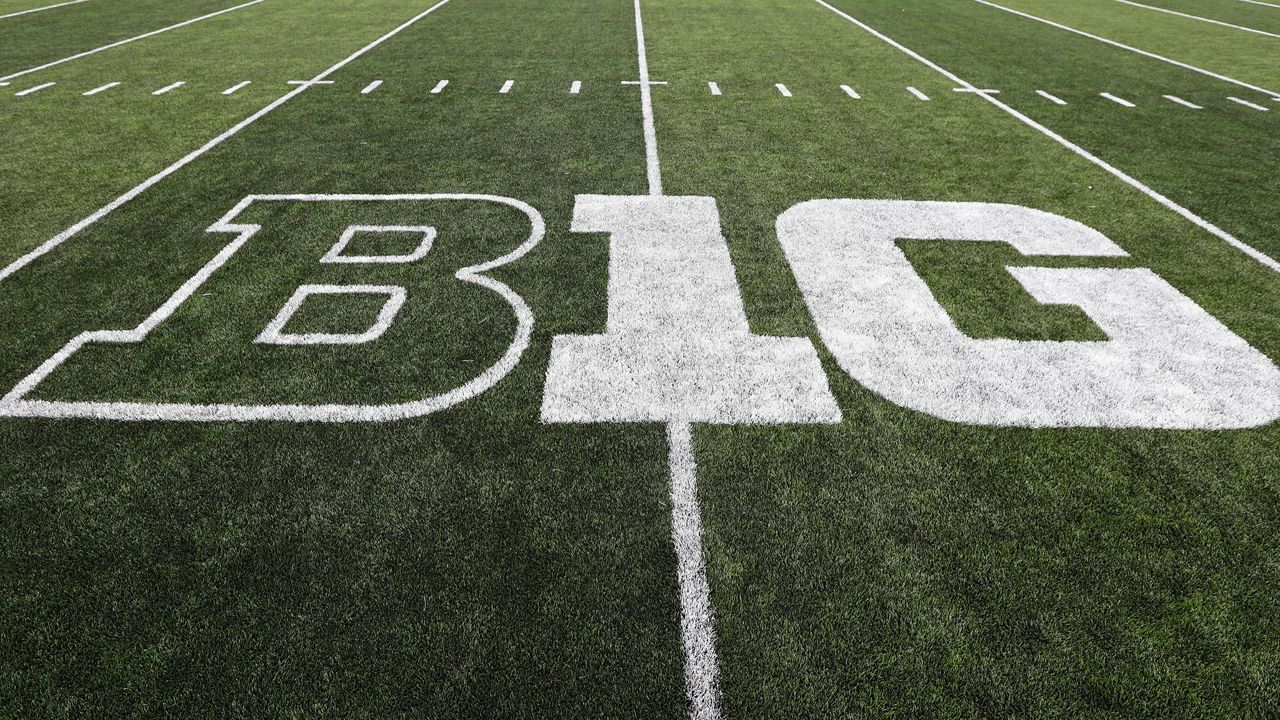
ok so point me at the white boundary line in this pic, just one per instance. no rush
(697, 629)
(1200, 222)
(142, 187)
(126, 41)
(1197, 17)
(42, 9)
(1130, 48)
(1259, 2)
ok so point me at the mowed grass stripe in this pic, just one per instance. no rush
(901, 565)
(469, 563)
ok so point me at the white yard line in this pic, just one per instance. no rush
(142, 187)
(126, 41)
(1117, 100)
(1130, 48)
(1259, 2)
(1183, 103)
(234, 88)
(1051, 98)
(42, 9)
(36, 89)
(170, 87)
(850, 92)
(783, 89)
(1126, 178)
(697, 630)
(1248, 104)
(371, 87)
(1197, 17)
(100, 88)
(919, 95)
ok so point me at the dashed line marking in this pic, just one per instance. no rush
(783, 89)
(371, 87)
(1183, 103)
(1117, 100)
(36, 89)
(576, 87)
(506, 87)
(850, 92)
(976, 91)
(167, 88)
(1051, 98)
(713, 87)
(42, 9)
(309, 83)
(440, 86)
(100, 88)
(1248, 104)
(917, 93)
(232, 90)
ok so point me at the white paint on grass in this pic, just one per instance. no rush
(783, 89)
(1166, 363)
(309, 83)
(713, 87)
(14, 404)
(237, 87)
(126, 41)
(337, 253)
(169, 88)
(1130, 48)
(576, 87)
(42, 9)
(1051, 98)
(100, 88)
(919, 95)
(371, 87)
(850, 92)
(506, 87)
(978, 91)
(35, 89)
(653, 172)
(1123, 176)
(1259, 2)
(1184, 103)
(1248, 104)
(440, 86)
(185, 160)
(1198, 17)
(274, 333)
(1117, 100)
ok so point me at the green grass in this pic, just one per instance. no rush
(480, 563)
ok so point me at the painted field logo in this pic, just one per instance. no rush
(379, 279)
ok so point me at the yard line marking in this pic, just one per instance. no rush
(167, 88)
(1200, 222)
(506, 86)
(646, 110)
(1259, 2)
(1117, 100)
(850, 92)
(309, 82)
(976, 90)
(1054, 99)
(35, 89)
(644, 82)
(1130, 48)
(917, 93)
(576, 87)
(714, 88)
(42, 9)
(440, 86)
(783, 89)
(99, 89)
(232, 90)
(1184, 103)
(126, 41)
(1197, 17)
(142, 187)
(371, 87)
(1246, 103)
(4, 84)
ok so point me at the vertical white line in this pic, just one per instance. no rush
(232, 90)
(1117, 100)
(1052, 98)
(370, 87)
(646, 109)
(1184, 103)
(100, 88)
(1247, 104)
(506, 87)
(783, 89)
(715, 88)
(850, 92)
(42, 9)
(440, 86)
(576, 87)
(696, 625)
(36, 89)
(167, 88)
(917, 93)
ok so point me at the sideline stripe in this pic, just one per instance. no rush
(713, 87)
(506, 86)
(1052, 98)
(917, 93)
(167, 88)
(1130, 48)
(1200, 222)
(576, 87)
(850, 92)
(42, 9)
(1117, 100)
(1197, 17)
(232, 90)
(36, 89)
(126, 41)
(371, 87)
(99, 89)
(440, 86)
(1246, 103)
(783, 89)
(142, 187)
(1184, 103)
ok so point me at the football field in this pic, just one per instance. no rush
(640, 358)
